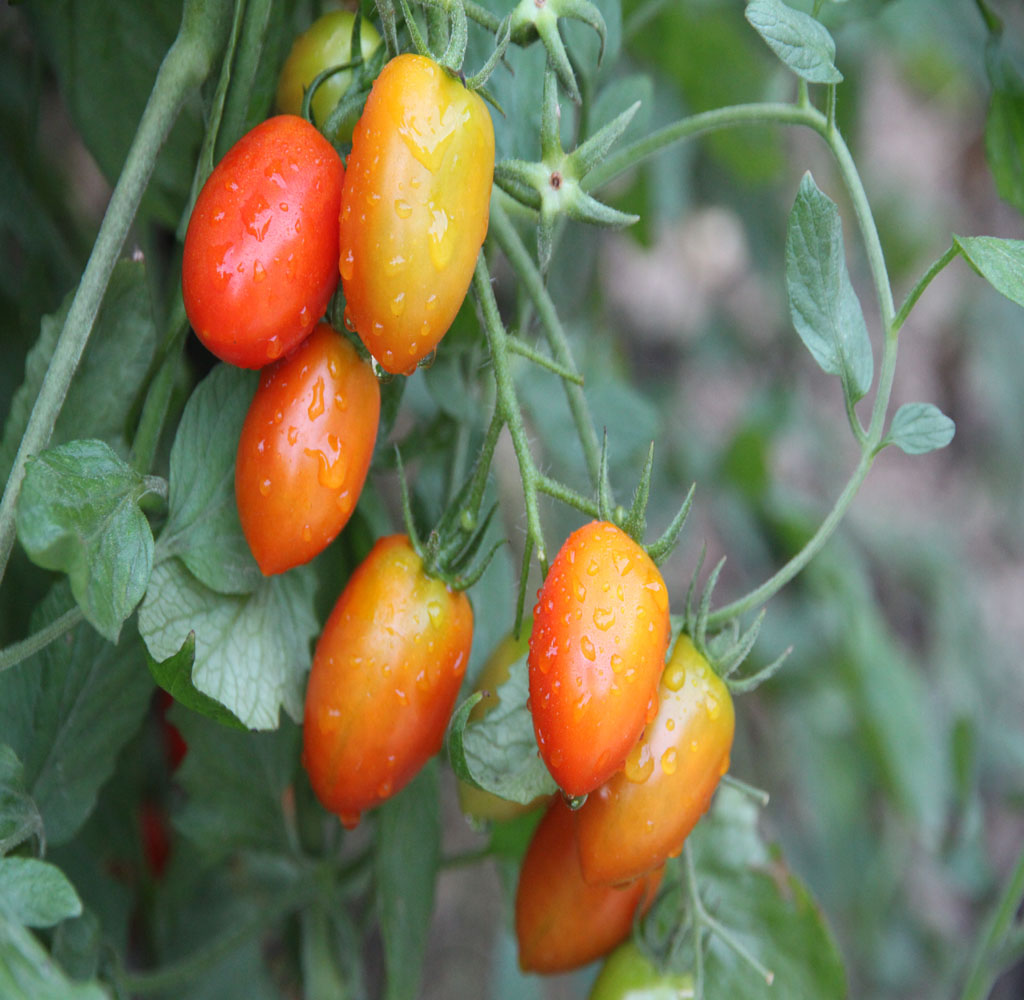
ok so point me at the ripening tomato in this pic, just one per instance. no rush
(561, 922)
(305, 449)
(628, 974)
(597, 649)
(476, 802)
(325, 43)
(640, 817)
(260, 259)
(385, 676)
(415, 209)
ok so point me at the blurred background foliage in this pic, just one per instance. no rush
(892, 742)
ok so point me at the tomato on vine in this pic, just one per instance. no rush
(261, 248)
(325, 43)
(385, 676)
(305, 450)
(628, 974)
(561, 921)
(597, 649)
(415, 209)
(642, 815)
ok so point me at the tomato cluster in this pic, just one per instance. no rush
(646, 742)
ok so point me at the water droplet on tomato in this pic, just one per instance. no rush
(652, 708)
(431, 302)
(265, 487)
(403, 698)
(316, 406)
(346, 264)
(349, 820)
(639, 763)
(307, 533)
(616, 662)
(587, 648)
(669, 761)
(293, 435)
(402, 208)
(395, 265)
(350, 323)
(604, 618)
(674, 676)
(398, 304)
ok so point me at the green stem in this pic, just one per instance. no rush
(519, 257)
(984, 966)
(507, 403)
(186, 65)
(568, 496)
(918, 290)
(177, 974)
(19, 651)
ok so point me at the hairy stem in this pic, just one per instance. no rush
(14, 654)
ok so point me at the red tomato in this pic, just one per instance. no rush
(262, 243)
(305, 449)
(640, 817)
(175, 746)
(600, 632)
(385, 676)
(561, 922)
(155, 837)
(415, 209)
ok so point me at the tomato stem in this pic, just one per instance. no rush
(14, 654)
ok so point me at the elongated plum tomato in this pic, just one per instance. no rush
(415, 209)
(597, 649)
(561, 922)
(628, 974)
(482, 805)
(327, 42)
(261, 249)
(385, 676)
(305, 449)
(641, 816)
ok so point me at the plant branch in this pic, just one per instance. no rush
(14, 654)
(918, 290)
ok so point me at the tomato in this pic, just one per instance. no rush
(175, 746)
(155, 837)
(476, 802)
(325, 43)
(385, 676)
(415, 209)
(597, 649)
(561, 922)
(628, 974)
(261, 248)
(641, 816)
(305, 450)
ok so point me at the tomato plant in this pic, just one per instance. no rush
(260, 253)
(642, 814)
(325, 43)
(385, 674)
(305, 450)
(597, 649)
(415, 209)
(628, 974)
(561, 921)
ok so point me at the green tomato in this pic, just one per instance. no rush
(327, 42)
(628, 974)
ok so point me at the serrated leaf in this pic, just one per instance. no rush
(67, 711)
(1000, 262)
(36, 893)
(800, 41)
(766, 907)
(918, 428)
(499, 753)
(822, 302)
(123, 339)
(78, 513)
(203, 528)
(234, 782)
(252, 650)
(406, 862)
(19, 817)
(174, 675)
(28, 973)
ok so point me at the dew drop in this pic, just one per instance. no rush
(398, 304)
(346, 264)
(616, 662)
(265, 487)
(274, 348)
(402, 208)
(316, 406)
(604, 618)
(307, 533)
(587, 648)
(293, 435)
(639, 763)
(674, 676)
(668, 761)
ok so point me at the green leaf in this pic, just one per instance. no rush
(78, 513)
(822, 302)
(407, 857)
(1004, 124)
(36, 893)
(67, 711)
(767, 908)
(19, 817)
(203, 527)
(499, 753)
(123, 340)
(28, 973)
(918, 428)
(235, 782)
(252, 650)
(800, 41)
(174, 675)
(999, 262)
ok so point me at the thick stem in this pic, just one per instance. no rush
(184, 67)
